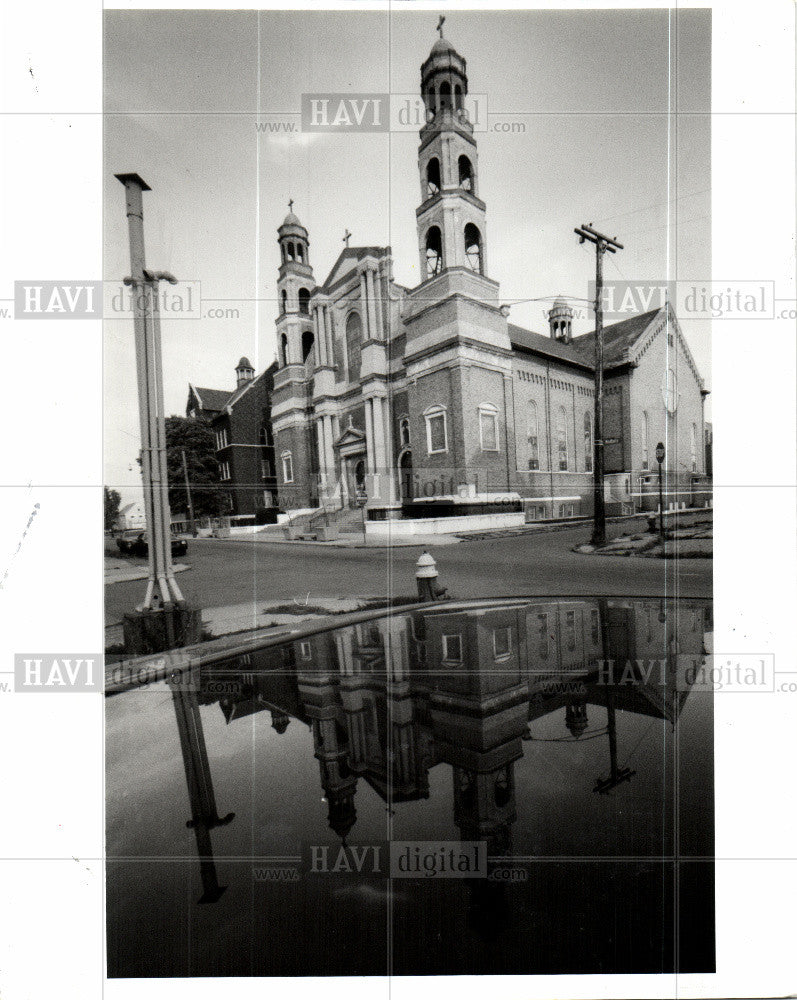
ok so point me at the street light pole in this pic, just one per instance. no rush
(603, 244)
(162, 591)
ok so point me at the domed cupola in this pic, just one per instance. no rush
(244, 372)
(293, 239)
(560, 320)
(444, 79)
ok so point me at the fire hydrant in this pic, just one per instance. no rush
(426, 575)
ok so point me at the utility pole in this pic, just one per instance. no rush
(602, 245)
(188, 492)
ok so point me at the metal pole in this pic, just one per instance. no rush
(160, 439)
(661, 508)
(162, 590)
(188, 491)
(134, 186)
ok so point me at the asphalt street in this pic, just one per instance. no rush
(226, 573)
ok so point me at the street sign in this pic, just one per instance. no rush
(659, 452)
(611, 440)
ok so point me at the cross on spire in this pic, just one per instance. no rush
(346, 238)
(290, 204)
(440, 23)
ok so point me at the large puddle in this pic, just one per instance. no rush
(506, 788)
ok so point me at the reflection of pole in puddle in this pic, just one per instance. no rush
(617, 774)
(204, 816)
(621, 774)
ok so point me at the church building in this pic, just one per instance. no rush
(428, 407)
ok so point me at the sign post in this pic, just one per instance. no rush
(660, 459)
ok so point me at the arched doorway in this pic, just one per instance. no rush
(359, 482)
(405, 474)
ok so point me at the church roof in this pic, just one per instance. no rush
(351, 254)
(212, 399)
(543, 344)
(617, 339)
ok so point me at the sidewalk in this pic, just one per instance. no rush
(346, 541)
(122, 570)
(273, 534)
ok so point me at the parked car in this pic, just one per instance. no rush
(134, 543)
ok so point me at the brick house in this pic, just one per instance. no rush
(241, 423)
(428, 402)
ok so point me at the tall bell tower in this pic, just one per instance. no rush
(451, 217)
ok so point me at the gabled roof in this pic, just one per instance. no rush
(351, 254)
(233, 397)
(212, 400)
(618, 338)
(540, 344)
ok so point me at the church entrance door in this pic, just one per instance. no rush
(355, 479)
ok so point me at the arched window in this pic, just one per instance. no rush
(404, 431)
(300, 252)
(287, 467)
(532, 428)
(304, 301)
(434, 252)
(473, 247)
(588, 441)
(693, 447)
(284, 251)
(488, 427)
(458, 97)
(354, 331)
(445, 96)
(291, 252)
(561, 435)
(645, 440)
(284, 298)
(284, 349)
(436, 429)
(465, 174)
(432, 101)
(307, 344)
(432, 176)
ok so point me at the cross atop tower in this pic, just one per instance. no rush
(346, 238)
(290, 204)
(440, 24)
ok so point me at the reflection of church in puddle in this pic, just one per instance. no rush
(388, 700)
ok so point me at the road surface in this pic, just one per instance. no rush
(225, 573)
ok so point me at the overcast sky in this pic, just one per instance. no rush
(183, 91)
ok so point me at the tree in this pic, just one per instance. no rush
(196, 439)
(113, 501)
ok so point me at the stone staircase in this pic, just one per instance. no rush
(349, 521)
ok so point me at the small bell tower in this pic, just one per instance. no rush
(244, 372)
(560, 320)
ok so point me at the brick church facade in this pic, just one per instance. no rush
(427, 403)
